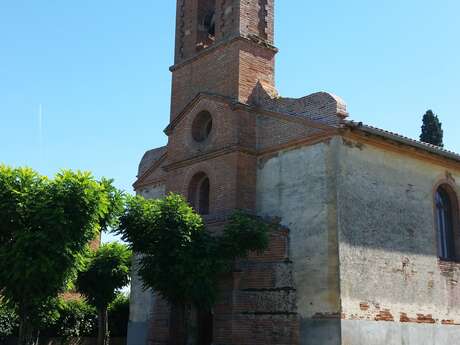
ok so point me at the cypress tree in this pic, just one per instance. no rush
(432, 132)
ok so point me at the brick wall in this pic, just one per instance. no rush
(256, 305)
(274, 131)
(232, 69)
(227, 173)
(257, 18)
(215, 72)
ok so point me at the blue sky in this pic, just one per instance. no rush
(100, 71)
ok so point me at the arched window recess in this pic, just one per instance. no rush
(447, 223)
(198, 193)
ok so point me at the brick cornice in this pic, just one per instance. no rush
(251, 39)
(209, 155)
(311, 140)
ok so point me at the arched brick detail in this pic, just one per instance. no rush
(205, 169)
(198, 193)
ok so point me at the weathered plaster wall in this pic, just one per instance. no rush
(394, 290)
(141, 301)
(298, 186)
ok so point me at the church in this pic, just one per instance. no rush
(368, 249)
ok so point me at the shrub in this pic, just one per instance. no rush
(9, 321)
(66, 319)
(76, 319)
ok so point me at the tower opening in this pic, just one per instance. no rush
(206, 31)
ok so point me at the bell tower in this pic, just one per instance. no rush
(223, 47)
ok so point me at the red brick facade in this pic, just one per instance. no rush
(256, 304)
(224, 66)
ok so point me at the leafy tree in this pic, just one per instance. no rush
(115, 206)
(107, 272)
(45, 227)
(432, 132)
(179, 258)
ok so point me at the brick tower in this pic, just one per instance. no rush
(223, 47)
(224, 54)
(224, 62)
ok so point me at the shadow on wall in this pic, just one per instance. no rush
(394, 216)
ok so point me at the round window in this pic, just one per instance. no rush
(202, 126)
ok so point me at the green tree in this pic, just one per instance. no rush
(432, 132)
(45, 227)
(107, 272)
(115, 205)
(179, 258)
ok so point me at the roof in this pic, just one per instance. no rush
(403, 139)
(149, 158)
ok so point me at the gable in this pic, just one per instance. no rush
(222, 132)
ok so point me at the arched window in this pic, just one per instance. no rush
(446, 221)
(198, 194)
(206, 23)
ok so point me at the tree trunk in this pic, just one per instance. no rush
(103, 327)
(28, 334)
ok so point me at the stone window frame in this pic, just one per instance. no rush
(452, 191)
